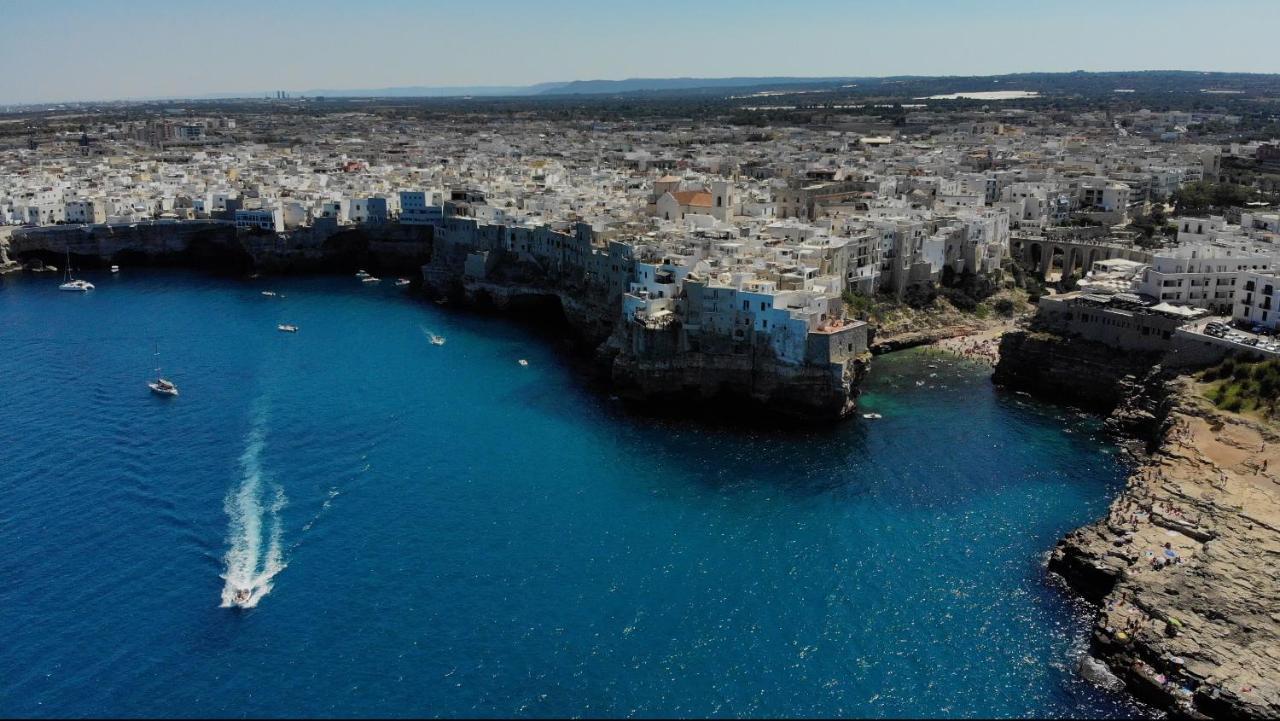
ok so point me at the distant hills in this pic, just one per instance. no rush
(1079, 82)
(574, 87)
(898, 88)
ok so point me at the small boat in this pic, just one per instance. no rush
(523, 362)
(919, 383)
(242, 598)
(370, 279)
(362, 274)
(115, 269)
(68, 283)
(442, 301)
(402, 282)
(436, 339)
(872, 416)
(162, 386)
(287, 328)
(269, 293)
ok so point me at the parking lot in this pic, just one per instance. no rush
(1223, 329)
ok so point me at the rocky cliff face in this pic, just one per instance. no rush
(1068, 370)
(1184, 565)
(675, 380)
(689, 380)
(217, 245)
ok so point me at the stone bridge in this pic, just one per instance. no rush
(1042, 255)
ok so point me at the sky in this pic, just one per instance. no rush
(65, 50)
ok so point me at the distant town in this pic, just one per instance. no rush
(1109, 241)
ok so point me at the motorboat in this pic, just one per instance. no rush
(872, 416)
(370, 279)
(442, 301)
(242, 597)
(287, 328)
(115, 269)
(163, 387)
(362, 274)
(436, 339)
(523, 362)
(269, 293)
(402, 282)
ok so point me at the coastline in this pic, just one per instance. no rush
(1190, 627)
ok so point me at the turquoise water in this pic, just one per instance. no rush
(438, 530)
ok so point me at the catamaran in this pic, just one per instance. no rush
(160, 385)
(69, 283)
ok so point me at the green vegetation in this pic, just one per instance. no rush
(1244, 387)
(1154, 227)
(1202, 196)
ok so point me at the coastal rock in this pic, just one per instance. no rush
(1184, 563)
(1097, 673)
(218, 245)
(1068, 370)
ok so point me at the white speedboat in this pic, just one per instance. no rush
(436, 339)
(287, 328)
(115, 269)
(242, 598)
(269, 293)
(370, 279)
(402, 282)
(163, 387)
(523, 362)
(362, 274)
(872, 416)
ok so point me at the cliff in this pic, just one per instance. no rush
(1184, 565)
(218, 245)
(1068, 370)
(686, 380)
(670, 376)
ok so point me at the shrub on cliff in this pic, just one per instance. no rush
(1243, 386)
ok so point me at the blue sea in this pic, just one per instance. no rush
(439, 530)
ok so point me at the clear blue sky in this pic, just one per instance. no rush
(54, 50)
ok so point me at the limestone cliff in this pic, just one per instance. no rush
(674, 378)
(1068, 370)
(1184, 565)
(218, 245)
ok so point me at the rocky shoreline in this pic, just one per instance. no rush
(1184, 565)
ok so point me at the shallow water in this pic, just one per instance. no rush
(456, 534)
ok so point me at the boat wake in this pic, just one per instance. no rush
(254, 533)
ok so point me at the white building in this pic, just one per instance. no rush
(1204, 276)
(265, 219)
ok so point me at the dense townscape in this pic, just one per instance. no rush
(706, 257)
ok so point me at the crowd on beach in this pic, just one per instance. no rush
(981, 348)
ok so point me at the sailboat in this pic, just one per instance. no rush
(68, 283)
(160, 386)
